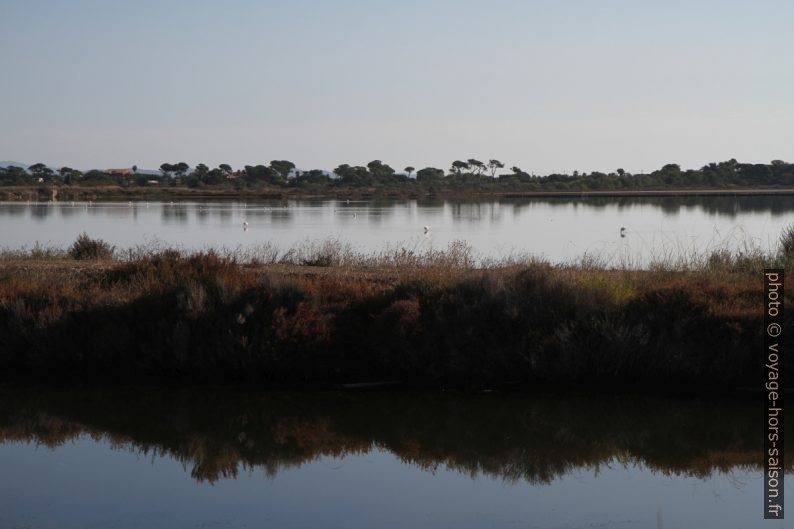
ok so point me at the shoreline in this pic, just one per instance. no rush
(111, 193)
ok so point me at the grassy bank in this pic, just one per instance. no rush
(326, 318)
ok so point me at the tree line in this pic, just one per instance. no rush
(470, 174)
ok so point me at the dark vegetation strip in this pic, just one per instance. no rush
(470, 177)
(203, 317)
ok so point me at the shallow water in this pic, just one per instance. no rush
(558, 229)
(219, 458)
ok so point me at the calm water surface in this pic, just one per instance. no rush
(558, 229)
(217, 458)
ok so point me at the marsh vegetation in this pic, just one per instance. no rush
(323, 316)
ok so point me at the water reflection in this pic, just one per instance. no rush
(174, 213)
(40, 211)
(534, 439)
(558, 229)
(464, 209)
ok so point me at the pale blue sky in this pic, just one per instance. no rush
(546, 85)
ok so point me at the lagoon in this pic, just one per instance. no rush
(558, 229)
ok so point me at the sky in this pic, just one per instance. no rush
(549, 86)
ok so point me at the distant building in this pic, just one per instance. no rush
(119, 171)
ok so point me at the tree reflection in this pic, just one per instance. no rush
(215, 433)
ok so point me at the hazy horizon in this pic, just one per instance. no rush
(548, 86)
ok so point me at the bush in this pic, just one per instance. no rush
(85, 248)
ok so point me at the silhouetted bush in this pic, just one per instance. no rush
(87, 248)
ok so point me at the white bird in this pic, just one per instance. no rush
(622, 231)
(245, 223)
(354, 215)
(427, 229)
